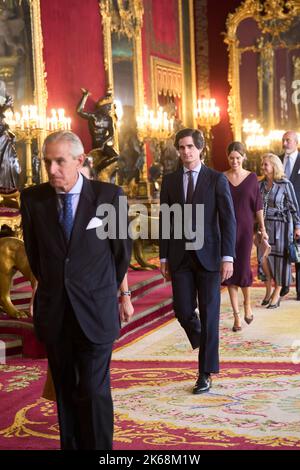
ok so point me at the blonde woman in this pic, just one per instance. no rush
(282, 221)
(248, 208)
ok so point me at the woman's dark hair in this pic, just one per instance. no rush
(236, 147)
(197, 136)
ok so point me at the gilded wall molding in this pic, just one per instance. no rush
(40, 88)
(166, 79)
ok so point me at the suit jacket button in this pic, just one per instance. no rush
(67, 260)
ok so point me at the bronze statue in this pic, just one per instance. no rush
(12, 258)
(101, 124)
(9, 163)
(132, 158)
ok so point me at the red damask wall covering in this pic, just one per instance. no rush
(73, 55)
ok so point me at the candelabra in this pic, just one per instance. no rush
(207, 115)
(29, 125)
(156, 128)
(256, 143)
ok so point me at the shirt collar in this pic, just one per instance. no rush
(196, 169)
(76, 188)
(292, 155)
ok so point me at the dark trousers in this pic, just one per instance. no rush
(297, 267)
(80, 371)
(189, 281)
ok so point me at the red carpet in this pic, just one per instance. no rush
(154, 407)
(151, 298)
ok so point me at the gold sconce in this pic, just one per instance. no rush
(156, 127)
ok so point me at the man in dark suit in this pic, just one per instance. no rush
(78, 271)
(291, 164)
(197, 271)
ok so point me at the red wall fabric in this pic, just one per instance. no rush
(160, 36)
(218, 75)
(73, 54)
(165, 28)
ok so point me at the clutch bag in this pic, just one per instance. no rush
(263, 246)
(294, 252)
(264, 249)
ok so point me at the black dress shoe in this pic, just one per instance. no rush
(284, 291)
(203, 384)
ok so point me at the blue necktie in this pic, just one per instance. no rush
(288, 167)
(66, 215)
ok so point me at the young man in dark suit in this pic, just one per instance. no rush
(291, 163)
(196, 271)
(76, 310)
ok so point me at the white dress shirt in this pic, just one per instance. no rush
(293, 157)
(75, 191)
(195, 174)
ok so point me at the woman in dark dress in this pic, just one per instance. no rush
(248, 208)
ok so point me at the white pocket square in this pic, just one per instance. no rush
(94, 223)
(299, 172)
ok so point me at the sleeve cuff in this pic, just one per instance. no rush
(227, 258)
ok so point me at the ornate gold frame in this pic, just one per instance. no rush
(130, 23)
(40, 93)
(40, 88)
(249, 9)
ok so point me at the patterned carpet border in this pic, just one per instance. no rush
(250, 406)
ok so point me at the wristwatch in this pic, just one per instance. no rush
(125, 292)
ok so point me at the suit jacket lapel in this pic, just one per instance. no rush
(47, 210)
(201, 185)
(295, 169)
(178, 185)
(86, 209)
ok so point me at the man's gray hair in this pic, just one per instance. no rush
(76, 146)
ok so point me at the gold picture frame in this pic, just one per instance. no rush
(129, 21)
(274, 12)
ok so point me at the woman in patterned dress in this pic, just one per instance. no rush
(282, 221)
